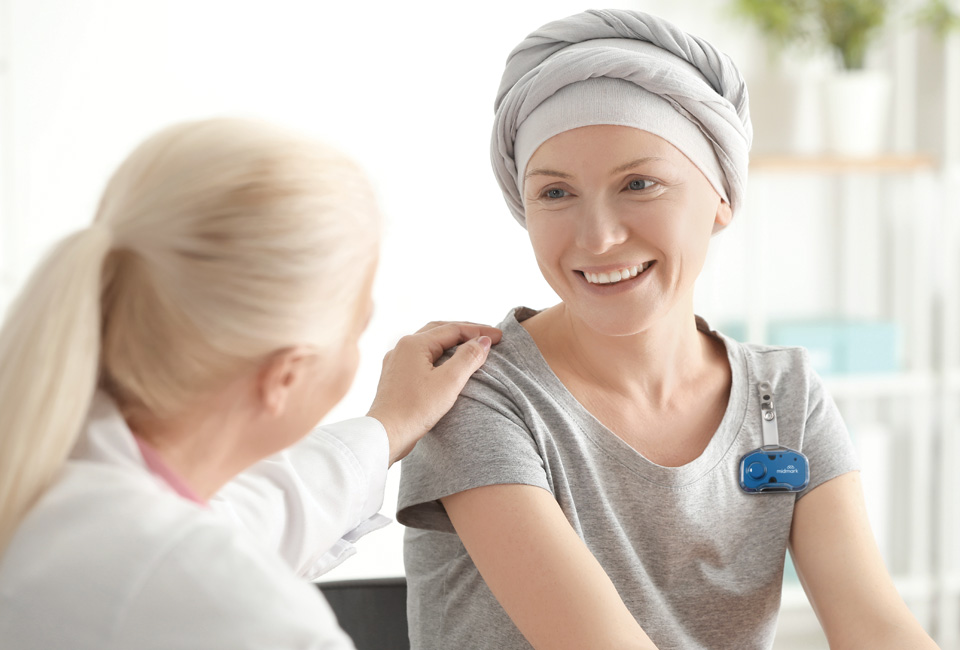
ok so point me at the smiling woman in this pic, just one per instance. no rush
(584, 491)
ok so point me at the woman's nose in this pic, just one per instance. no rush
(600, 228)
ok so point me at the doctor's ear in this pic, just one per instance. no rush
(279, 375)
(723, 217)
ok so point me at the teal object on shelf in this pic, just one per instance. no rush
(737, 330)
(872, 347)
(835, 347)
(823, 341)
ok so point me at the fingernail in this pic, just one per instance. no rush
(484, 342)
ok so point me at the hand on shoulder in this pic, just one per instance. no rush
(413, 393)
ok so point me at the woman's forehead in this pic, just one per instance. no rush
(614, 143)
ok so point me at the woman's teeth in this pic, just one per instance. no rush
(616, 276)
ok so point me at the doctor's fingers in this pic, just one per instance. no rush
(434, 324)
(438, 336)
(452, 376)
(414, 394)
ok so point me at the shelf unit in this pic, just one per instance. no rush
(885, 223)
(948, 539)
(6, 170)
(948, 453)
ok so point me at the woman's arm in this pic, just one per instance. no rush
(843, 574)
(541, 572)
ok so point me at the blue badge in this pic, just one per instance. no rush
(772, 468)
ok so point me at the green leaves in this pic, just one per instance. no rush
(939, 16)
(848, 27)
(783, 22)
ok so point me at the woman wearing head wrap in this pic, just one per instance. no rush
(584, 492)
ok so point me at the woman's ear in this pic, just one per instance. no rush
(279, 375)
(723, 217)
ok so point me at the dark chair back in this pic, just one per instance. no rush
(372, 612)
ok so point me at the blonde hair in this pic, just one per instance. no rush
(215, 243)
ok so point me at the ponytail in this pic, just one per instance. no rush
(49, 358)
(215, 243)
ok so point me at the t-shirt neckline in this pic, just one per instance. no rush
(716, 450)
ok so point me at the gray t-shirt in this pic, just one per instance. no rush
(697, 561)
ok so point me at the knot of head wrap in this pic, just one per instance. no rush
(694, 78)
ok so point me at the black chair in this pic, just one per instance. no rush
(372, 612)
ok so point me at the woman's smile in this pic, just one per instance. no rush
(615, 282)
(620, 273)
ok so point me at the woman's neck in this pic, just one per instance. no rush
(200, 446)
(672, 353)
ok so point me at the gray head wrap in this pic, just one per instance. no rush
(622, 67)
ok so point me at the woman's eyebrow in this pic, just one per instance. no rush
(622, 168)
(636, 163)
(546, 172)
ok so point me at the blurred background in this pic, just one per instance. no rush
(848, 245)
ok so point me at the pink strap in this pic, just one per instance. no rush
(159, 468)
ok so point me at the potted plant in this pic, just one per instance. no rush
(846, 26)
(856, 98)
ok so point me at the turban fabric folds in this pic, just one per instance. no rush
(624, 67)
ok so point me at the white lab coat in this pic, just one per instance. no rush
(111, 558)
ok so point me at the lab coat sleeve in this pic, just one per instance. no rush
(311, 502)
(213, 588)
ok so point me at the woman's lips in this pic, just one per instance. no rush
(616, 275)
(603, 283)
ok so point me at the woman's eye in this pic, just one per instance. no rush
(641, 184)
(554, 193)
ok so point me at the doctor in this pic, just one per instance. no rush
(154, 371)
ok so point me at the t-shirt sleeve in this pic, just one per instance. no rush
(826, 441)
(483, 440)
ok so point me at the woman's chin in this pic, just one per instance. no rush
(614, 320)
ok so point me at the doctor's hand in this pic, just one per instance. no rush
(413, 393)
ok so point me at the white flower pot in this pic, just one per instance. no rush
(857, 108)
